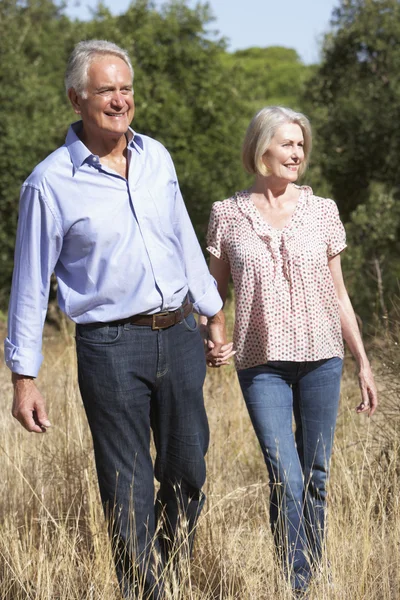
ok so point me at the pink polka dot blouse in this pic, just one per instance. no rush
(286, 305)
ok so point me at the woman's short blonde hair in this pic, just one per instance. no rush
(262, 129)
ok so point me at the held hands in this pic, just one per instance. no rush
(369, 394)
(218, 355)
(29, 405)
(218, 351)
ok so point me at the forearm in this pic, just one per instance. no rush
(222, 286)
(352, 336)
(351, 332)
(221, 272)
(217, 328)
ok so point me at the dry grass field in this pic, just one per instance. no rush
(53, 541)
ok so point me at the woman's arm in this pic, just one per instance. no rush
(220, 270)
(353, 339)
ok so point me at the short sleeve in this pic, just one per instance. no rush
(216, 238)
(336, 234)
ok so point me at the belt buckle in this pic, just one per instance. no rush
(160, 314)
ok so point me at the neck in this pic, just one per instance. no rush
(270, 187)
(112, 145)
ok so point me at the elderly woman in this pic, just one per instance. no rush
(282, 246)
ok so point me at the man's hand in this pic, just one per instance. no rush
(29, 405)
(218, 351)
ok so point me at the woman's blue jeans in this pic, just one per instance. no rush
(133, 380)
(297, 462)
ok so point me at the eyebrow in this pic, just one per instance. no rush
(291, 141)
(113, 87)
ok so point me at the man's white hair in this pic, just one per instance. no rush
(76, 75)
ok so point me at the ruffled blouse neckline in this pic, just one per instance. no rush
(260, 225)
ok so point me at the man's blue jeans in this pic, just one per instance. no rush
(297, 463)
(133, 379)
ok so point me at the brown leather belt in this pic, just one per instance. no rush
(160, 320)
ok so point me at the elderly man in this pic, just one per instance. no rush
(105, 213)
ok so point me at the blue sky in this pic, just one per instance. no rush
(298, 24)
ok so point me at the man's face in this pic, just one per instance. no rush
(108, 107)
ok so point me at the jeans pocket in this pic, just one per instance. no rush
(190, 322)
(98, 334)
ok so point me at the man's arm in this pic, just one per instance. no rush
(202, 287)
(38, 245)
(219, 352)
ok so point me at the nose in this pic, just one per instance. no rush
(117, 99)
(297, 153)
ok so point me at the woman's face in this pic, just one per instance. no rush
(285, 153)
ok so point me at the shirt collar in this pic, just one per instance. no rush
(80, 154)
(135, 141)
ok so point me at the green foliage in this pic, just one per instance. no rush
(269, 76)
(354, 99)
(372, 261)
(34, 112)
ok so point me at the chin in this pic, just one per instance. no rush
(120, 130)
(290, 179)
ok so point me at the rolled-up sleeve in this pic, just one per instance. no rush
(38, 245)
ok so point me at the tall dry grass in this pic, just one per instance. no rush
(53, 540)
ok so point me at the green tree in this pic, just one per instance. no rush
(33, 109)
(270, 76)
(372, 260)
(355, 100)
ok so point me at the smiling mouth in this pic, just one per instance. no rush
(116, 114)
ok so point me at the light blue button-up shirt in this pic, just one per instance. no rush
(118, 247)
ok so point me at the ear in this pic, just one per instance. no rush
(75, 100)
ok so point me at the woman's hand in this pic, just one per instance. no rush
(369, 396)
(221, 356)
(218, 350)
